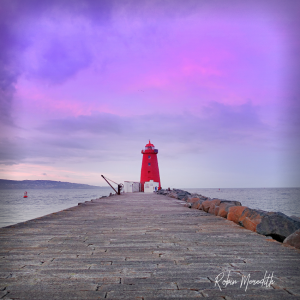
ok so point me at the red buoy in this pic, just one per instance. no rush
(150, 169)
(25, 195)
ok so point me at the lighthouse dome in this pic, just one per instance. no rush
(149, 146)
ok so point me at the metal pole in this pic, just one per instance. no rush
(110, 185)
(119, 189)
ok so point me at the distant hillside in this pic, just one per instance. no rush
(42, 184)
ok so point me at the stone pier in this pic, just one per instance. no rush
(143, 246)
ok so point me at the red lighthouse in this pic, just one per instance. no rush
(150, 169)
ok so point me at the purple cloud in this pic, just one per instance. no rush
(61, 60)
(73, 136)
(78, 79)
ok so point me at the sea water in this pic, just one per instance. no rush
(14, 208)
(285, 200)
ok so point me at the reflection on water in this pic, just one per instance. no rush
(40, 202)
(285, 200)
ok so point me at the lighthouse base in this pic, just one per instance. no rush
(151, 186)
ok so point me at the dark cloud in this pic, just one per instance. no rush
(13, 150)
(8, 72)
(6, 98)
(101, 136)
(97, 123)
(99, 11)
(218, 119)
(61, 60)
(64, 55)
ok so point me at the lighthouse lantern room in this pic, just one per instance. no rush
(150, 170)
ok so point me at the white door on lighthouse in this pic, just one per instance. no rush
(150, 186)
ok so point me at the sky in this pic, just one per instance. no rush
(213, 84)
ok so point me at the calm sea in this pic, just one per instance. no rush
(40, 202)
(285, 200)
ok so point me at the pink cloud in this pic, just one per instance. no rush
(33, 172)
(78, 81)
(187, 63)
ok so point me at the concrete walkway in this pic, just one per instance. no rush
(142, 246)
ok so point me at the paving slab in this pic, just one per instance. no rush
(142, 246)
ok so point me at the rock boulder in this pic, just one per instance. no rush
(224, 207)
(250, 224)
(216, 211)
(182, 195)
(295, 218)
(277, 225)
(235, 212)
(207, 203)
(293, 239)
(192, 200)
(211, 209)
(197, 204)
(250, 218)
